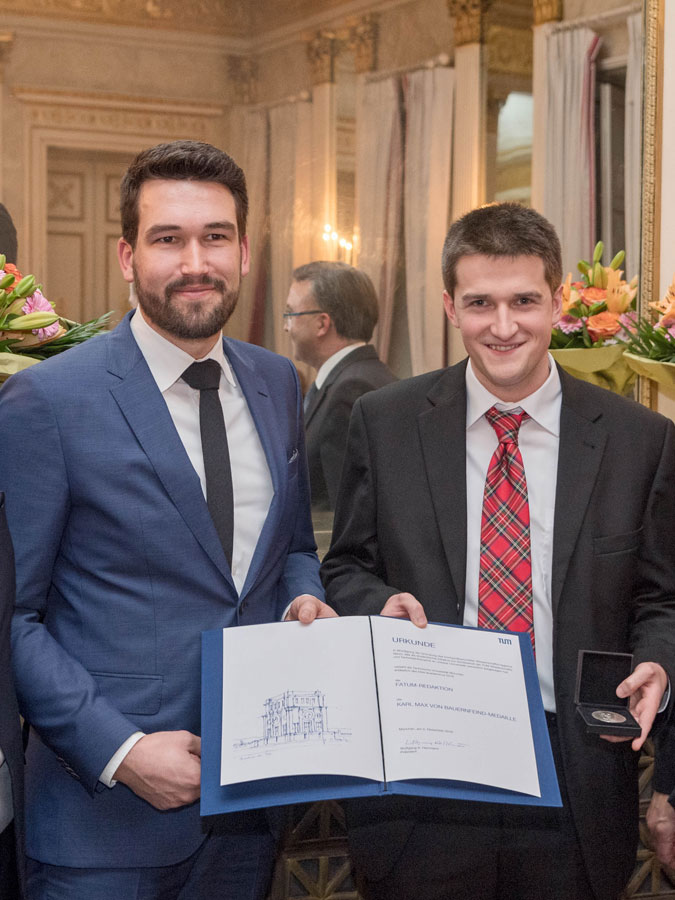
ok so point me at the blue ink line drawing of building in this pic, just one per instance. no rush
(295, 715)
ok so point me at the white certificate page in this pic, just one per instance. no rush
(453, 705)
(299, 700)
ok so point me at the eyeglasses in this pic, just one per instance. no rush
(304, 312)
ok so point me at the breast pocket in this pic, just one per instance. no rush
(615, 544)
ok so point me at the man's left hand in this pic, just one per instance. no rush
(645, 687)
(661, 824)
(306, 608)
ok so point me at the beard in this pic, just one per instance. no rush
(193, 320)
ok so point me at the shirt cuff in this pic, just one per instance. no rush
(286, 611)
(106, 776)
(665, 700)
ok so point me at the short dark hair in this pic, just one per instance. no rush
(347, 294)
(502, 229)
(8, 244)
(180, 160)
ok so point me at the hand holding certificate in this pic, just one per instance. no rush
(371, 705)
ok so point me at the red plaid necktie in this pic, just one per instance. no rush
(505, 580)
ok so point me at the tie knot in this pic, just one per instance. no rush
(506, 424)
(203, 376)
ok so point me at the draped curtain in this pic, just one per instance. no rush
(289, 127)
(570, 150)
(429, 97)
(379, 169)
(633, 144)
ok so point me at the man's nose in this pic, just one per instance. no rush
(194, 260)
(504, 325)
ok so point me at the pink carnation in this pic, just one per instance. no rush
(628, 322)
(671, 331)
(569, 324)
(37, 302)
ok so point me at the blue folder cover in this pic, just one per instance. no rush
(217, 798)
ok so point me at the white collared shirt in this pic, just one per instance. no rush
(539, 442)
(251, 479)
(327, 367)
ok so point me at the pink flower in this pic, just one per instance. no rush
(671, 331)
(37, 302)
(628, 322)
(569, 324)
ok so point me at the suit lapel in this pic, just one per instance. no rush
(442, 430)
(147, 414)
(582, 445)
(270, 430)
(358, 355)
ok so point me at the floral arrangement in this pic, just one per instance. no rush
(29, 325)
(656, 340)
(598, 310)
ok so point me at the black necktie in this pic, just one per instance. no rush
(205, 378)
(309, 398)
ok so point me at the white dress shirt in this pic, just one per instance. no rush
(538, 441)
(327, 367)
(251, 478)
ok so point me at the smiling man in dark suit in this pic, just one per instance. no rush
(588, 503)
(330, 315)
(157, 487)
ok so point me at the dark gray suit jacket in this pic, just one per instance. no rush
(400, 525)
(10, 730)
(327, 419)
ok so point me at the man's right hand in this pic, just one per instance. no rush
(164, 768)
(405, 606)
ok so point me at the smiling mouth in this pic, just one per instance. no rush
(503, 348)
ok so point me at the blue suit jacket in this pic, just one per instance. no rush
(119, 569)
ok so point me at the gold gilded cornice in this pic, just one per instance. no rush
(547, 11)
(321, 52)
(469, 20)
(222, 17)
(243, 72)
(510, 50)
(6, 42)
(363, 40)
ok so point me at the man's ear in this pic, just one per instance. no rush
(245, 256)
(557, 305)
(449, 304)
(125, 256)
(324, 324)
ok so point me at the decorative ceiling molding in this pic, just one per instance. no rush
(547, 11)
(363, 39)
(118, 112)
(469, 18)
(322, 49)
(222, 17)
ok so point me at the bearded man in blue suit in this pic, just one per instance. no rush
(120, 564)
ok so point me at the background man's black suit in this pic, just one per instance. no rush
(400, 525)
(10, 733)
(327, 419)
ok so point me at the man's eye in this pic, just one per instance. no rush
(216, 236)
(166, 239)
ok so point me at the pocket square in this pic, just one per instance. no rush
(293, 456)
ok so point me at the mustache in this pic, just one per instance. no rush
(194, 280)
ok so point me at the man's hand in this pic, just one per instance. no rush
(645, 687)
(306, 608)
(661, 824)
(405, 606)
(163, 768)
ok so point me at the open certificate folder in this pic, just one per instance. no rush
(362, 706)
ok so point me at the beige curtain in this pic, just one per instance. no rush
(379, 171)
(429, 96)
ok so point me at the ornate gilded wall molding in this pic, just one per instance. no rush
(224, 17)
(363, 40)
(547, 11)
(469, 20)
(243, 72)
(6, 42)
(510, 50)
(120, 113)
(321, 52)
